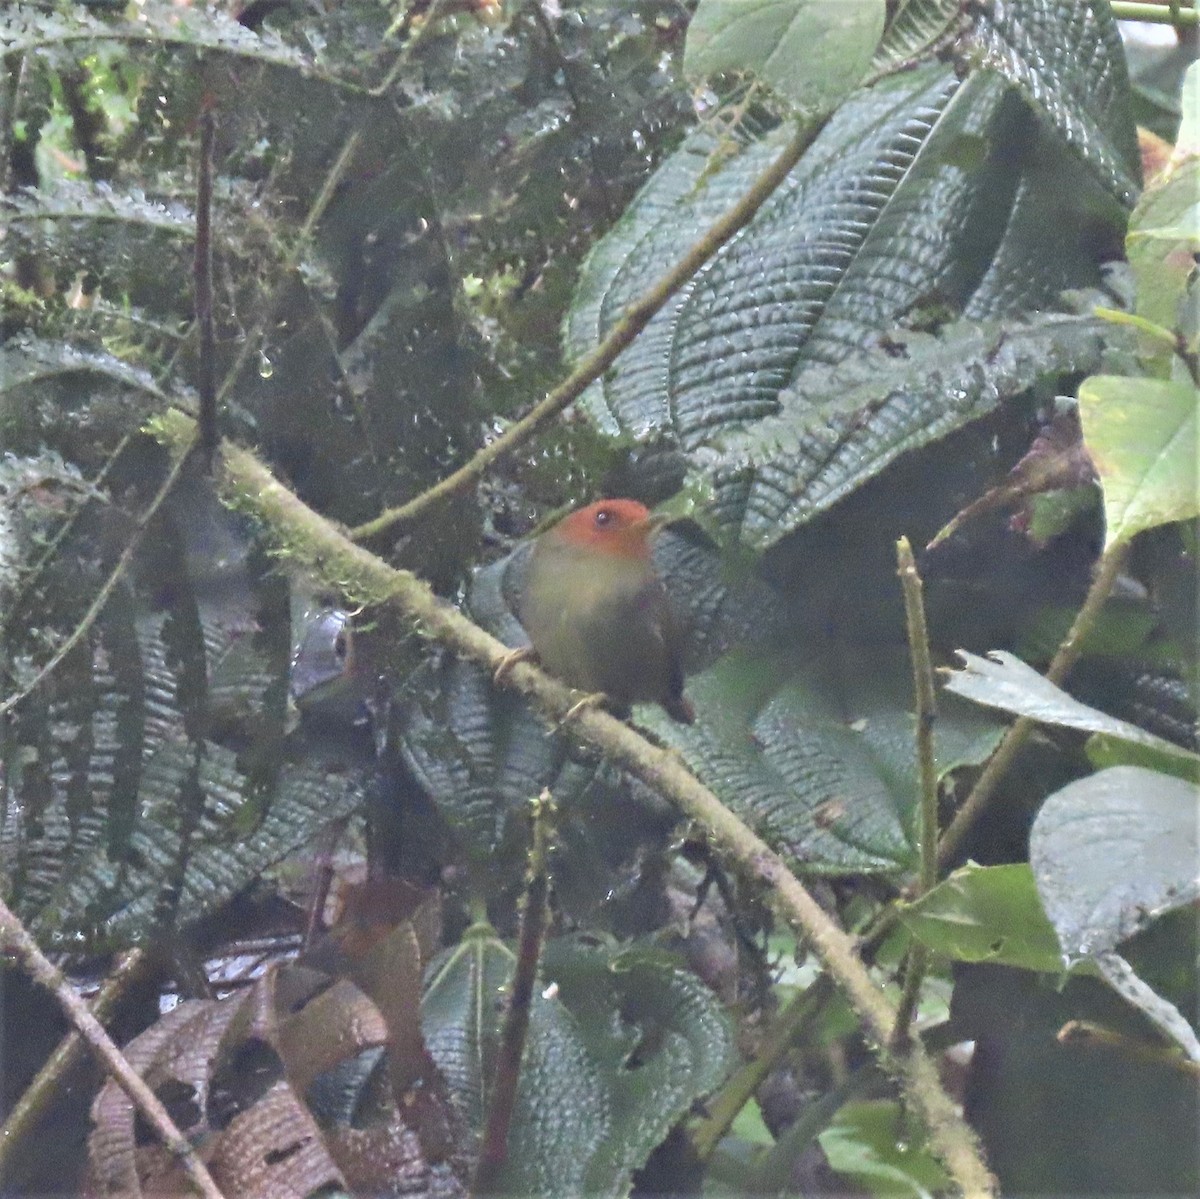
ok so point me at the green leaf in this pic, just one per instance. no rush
(870, 1143)
(1083, 96)
(1141, 434)
(1112, 852)
(1163, 239)
(843, 425)
(597, 1092)
(818, 757)
(917, 27)
(156, 22)
(1005, 682)
(814, 52)
(1106, 750)
(479, 753)
(986, 914)
(903, 211)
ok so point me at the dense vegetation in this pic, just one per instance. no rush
(373, 236)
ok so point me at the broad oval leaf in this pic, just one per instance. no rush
(1113, 851)
(986, 914)
(818, 757)
(1142, 436)
(904, 207)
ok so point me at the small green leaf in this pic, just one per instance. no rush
(870, 1143)
(1005, 682)
(986, 914)
(814, 52)
(1141, 434)
(1104, 749)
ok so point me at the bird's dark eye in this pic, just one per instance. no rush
(603, 517)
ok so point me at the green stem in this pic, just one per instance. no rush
(1157, 14)
(494, 1150)
(721, 1111)
(917, 960)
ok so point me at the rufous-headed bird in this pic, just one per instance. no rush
(597, 613)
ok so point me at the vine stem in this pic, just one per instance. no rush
(1068, 653)
(308, 540)
(17, 940)
(632, 321)
(36, 1099)
(97, 605)
(493, 1152)
(1157, 14)
(917, 959)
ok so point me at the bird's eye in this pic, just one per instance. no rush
(603, 517)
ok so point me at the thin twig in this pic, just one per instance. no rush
(202, 269)
(722, 1109)
(35, 1100)
(917, 960)
(250, 342)
(1107, 570)
(1086, 1033)
(106, 590)
(1156, 14)
(309, 540)
(632, 321)
(493, 1152)
(16, 940)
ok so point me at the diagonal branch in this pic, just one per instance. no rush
(15, 939)
(304, 537)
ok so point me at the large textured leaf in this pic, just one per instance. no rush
(844, 424)
(26, 27)
(1065, 58)
(595, 1095)
(480, 753)
(123, 813)
(819, 759)
(26, 361)
(923, 195)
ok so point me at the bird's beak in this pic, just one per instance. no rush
(653, 522)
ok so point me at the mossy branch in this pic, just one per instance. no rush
(314, 543)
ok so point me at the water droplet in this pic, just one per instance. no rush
(266, 368)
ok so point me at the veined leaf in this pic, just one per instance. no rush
(1141, 434)
(595, 1096)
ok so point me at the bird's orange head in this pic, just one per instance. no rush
(618, 527)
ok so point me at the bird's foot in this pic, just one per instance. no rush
(589, 703)
(524, 654)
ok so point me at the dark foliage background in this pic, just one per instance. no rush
(422, 214)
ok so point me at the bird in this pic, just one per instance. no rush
(597, 613)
